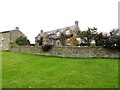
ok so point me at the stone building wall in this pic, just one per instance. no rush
(9, 37)
(15, 34)
(5, 41)
(77, 52)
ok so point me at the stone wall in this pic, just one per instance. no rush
(27, 49)
(70, 51)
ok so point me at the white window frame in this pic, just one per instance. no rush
(78, 40)
(58, 34)
(67, 32)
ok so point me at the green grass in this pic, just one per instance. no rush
(0, 69)
(25, 71)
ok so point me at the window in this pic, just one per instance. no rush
(68, 44)
(58, 43)
(78, 40)
(58, 33)
(67, 32)
(68, 39)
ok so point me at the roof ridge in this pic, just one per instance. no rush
(8, 31)
(60, 28)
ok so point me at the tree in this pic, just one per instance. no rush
(113, 40)
(88, 35)
(99, 39)
(73, 40)
(22, 40)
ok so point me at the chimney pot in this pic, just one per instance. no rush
(41, 31)
(76, 23)
(17, 28)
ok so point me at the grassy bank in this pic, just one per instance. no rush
(33, 71)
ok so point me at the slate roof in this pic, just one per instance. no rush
(12, 31)
(5, 32)
(61, 29)
(53, 32)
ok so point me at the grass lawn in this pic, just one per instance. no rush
(0, 69)
(34, 71)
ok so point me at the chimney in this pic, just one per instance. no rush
(17, 28)
(41, 31)
(76, 23)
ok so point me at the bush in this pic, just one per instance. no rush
(113, 40)
(14, 45)
(46, 48)
(20, 40)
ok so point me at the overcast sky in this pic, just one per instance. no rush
(33, 15)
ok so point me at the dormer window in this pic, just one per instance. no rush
(58, 33)
(67, 32)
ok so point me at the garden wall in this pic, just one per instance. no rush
(70, 51)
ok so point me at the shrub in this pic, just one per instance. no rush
(46, 47)
(14, 45)
(20, 40)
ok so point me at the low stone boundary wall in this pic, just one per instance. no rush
(79, 52)
(27, 49)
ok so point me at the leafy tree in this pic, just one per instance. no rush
(73, 40)
(99, 39)
(113, 40)
(14, 45)
(88, 35)
(21, 40)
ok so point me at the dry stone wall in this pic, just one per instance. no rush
(78, 52)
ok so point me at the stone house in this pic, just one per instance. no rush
(9, 37)
(58, 37)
